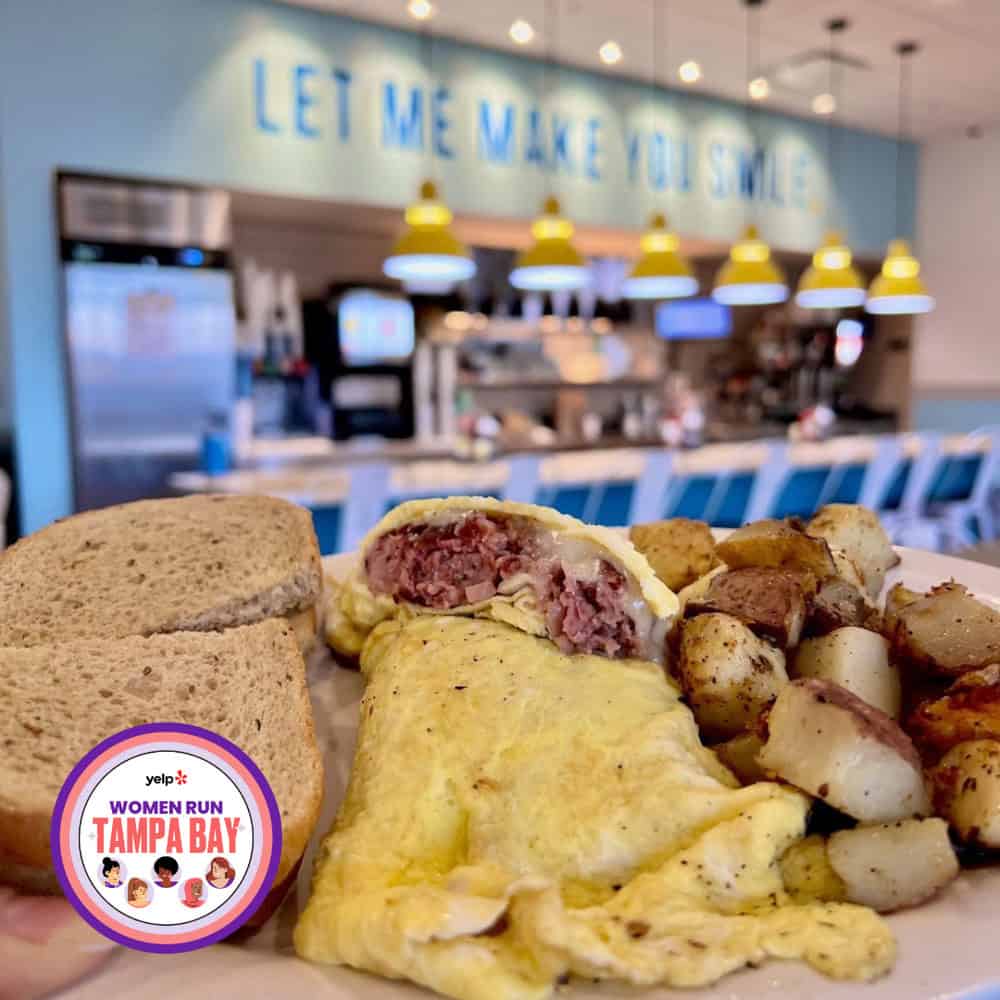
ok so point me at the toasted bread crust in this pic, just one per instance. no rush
(130, 662)
(193, 563)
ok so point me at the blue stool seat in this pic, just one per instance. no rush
(955, 479)
(696, 492)
(326, 521)
(800, 496)
(616, 502)
(894, 495)
(849, 488)
(598, 504)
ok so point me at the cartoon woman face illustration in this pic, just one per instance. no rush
(194, 893)
(166, 869)
(220, 873)
(138, 893)
(112, 872)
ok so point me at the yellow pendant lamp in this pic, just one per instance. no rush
(552, 263)
(831, 281)
(898, 289)
(428, 257)
(661, 272)
(750, 277)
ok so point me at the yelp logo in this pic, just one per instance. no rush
(178, 778)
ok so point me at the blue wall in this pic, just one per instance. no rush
(167, 89)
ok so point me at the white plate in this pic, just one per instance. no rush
(947, 948)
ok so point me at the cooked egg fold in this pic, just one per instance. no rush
(515, 815)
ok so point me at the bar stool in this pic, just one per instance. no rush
(904, 510)
(881, 472)
(580, 485)
(523, 474)
(364, 505)
(650, 494)
(960, 494)
(719, 497)
(785, 489)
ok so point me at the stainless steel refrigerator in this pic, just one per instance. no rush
(150, 329)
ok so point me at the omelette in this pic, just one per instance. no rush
(517, 815)
(585, 587)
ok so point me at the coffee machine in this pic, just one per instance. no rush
(364, 340)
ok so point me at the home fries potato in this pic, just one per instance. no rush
(651, 761)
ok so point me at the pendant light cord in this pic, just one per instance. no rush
(904, 50)
(752, 57)
(549, 68)
(657, 27)
(427, 57)
(654, 76)
(548, 73)
(834, 26)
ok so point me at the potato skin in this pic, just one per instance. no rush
(966, 788)
(858, 533)
(830, 744)
(968, 710)
(679, 550)
(838, 603)
(947, 632)
(728, 674)
(896, 865)
(770, 602)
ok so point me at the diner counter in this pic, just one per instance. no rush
(321, 477)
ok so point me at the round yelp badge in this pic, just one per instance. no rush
(166, 837)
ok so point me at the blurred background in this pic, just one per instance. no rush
(722, 260)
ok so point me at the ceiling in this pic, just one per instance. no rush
(955, 84)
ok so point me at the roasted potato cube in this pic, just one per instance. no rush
(836, 604)
(855, 659)
(728, 674)
(858, 533)
(966, 784)
(808, 875)
(696, 591)
(968, 710)
(896, 865)
(740, 755)
(844, 567)
(769, 602)
(947, 632)
(828, 742)
(898, 598)
(679, 550)
(779, 545)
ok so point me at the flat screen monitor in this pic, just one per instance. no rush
(374, 329)
(693, 319)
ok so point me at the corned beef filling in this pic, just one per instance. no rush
(468, 560)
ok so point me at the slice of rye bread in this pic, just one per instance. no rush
(191, 563)
(247, 684)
